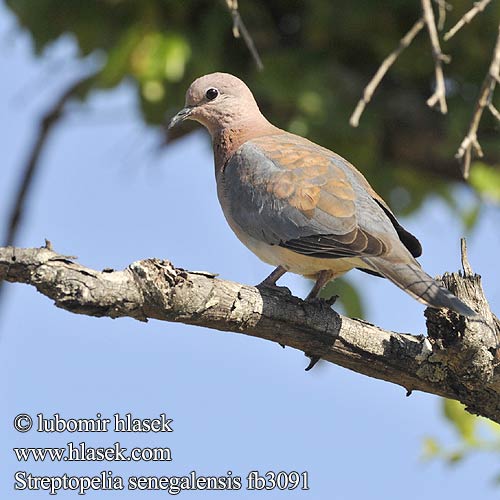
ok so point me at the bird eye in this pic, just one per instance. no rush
(211, 94)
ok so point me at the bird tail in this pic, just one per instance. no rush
(416, 282)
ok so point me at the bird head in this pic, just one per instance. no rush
(217, 101)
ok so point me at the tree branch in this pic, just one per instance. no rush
(443, 6)
(467, 18)
(457, 360)
(382, 70)
(240, 30)
(470, 143)
(439, 95)
(47, 123)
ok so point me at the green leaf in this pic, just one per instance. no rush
(470, 216)
(493, 426)
(455, 457)
(118, 62)
(160, 56)
(486, 180)
(431, 448)
(464, 422)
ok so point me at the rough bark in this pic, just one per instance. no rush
(458, 359)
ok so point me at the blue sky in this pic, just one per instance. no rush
(107, 194)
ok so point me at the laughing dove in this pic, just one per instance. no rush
(299, 206)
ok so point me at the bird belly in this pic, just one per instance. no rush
(297, 263)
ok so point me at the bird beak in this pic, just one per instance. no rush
(182, 115)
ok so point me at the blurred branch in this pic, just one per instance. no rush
(470, 143)
(494, 111)
(240, 30)
(47, 123)
(382, 70)
(457, 360)
(443, 6)
(467, 18)
(439, 95)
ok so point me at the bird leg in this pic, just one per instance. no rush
(273, 277)
(271, 280)
(322, 279)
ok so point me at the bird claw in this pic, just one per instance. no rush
(321, 301)
(331, 300)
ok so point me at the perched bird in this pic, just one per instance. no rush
(299, 206)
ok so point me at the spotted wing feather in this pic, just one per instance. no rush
(289, 192)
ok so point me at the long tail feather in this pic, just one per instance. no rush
(416, 282)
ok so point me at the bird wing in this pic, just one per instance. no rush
(285, 190)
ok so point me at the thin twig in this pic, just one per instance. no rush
(240, 30)
(47, 123)
(470, 143)
(443, 6)
(382, 70)
(442, 15)
(494, 111)
(439, 95)
(467, 18)
(468, 272)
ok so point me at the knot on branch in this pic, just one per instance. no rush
(156, 278)
(465, 348)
